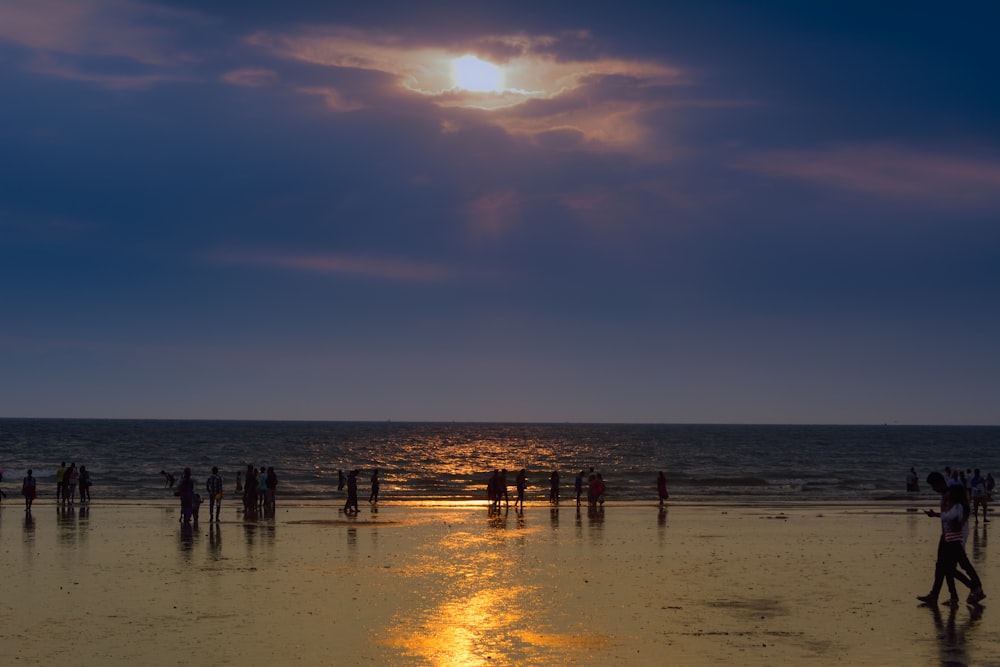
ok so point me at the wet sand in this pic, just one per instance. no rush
(430, 585)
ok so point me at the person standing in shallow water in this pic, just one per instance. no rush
(213, 486)
(502, 488)
(661, 487)
(373, 498)
(270, 489)
(554, 487)
(185, 489)
(84, 485)
(977, 489)
(71, 478)
(351, 506)
(520, 484)
(61, 481)
(261, 488)
(250, 492)
(29, 490)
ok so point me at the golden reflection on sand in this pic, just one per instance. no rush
(480, 612)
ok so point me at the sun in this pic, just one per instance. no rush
(471, 73)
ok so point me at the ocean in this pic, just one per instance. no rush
(450, 462)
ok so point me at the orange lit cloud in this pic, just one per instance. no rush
(889, 172)
(250, 77)
(596, 101)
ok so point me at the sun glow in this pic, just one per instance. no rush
(471, 73)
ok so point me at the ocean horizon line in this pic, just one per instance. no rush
(488, 422)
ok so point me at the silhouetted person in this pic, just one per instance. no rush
(661, 487)
(261, 488)
(61, 482)
(954, 514)
(373, 498)
(520, 484)
(84, 485)
(168, 479)
(72, 478)
(250, 492)
(213, 486)
(351, 506)
(29, 490)
(270, 489)
(980, 496)
(502, 488)
(554, 487)
(186, 492)
(492, 490)
(341, 480)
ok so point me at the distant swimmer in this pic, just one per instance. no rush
(912, 485)
(168, 479)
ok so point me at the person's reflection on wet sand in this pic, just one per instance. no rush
(951, 636)
(498, 519)
(215, 540)
(186, 540)
(978, 543)
(554, 517)
(66, 520)
(29, 528)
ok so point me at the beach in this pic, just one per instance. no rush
(447, 584)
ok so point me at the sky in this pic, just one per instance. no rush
(677, 212)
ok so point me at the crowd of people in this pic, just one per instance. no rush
(978, 490)
(590, 482)
(69, 482)
(257, 488)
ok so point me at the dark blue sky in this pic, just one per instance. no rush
(696, 212)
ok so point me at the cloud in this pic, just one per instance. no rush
(888, 171)
(334, 99)
(361, 266)
(554, 85)
(494, 215)
(250, 77)
(114, 44)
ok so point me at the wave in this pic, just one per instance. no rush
(729, 481)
